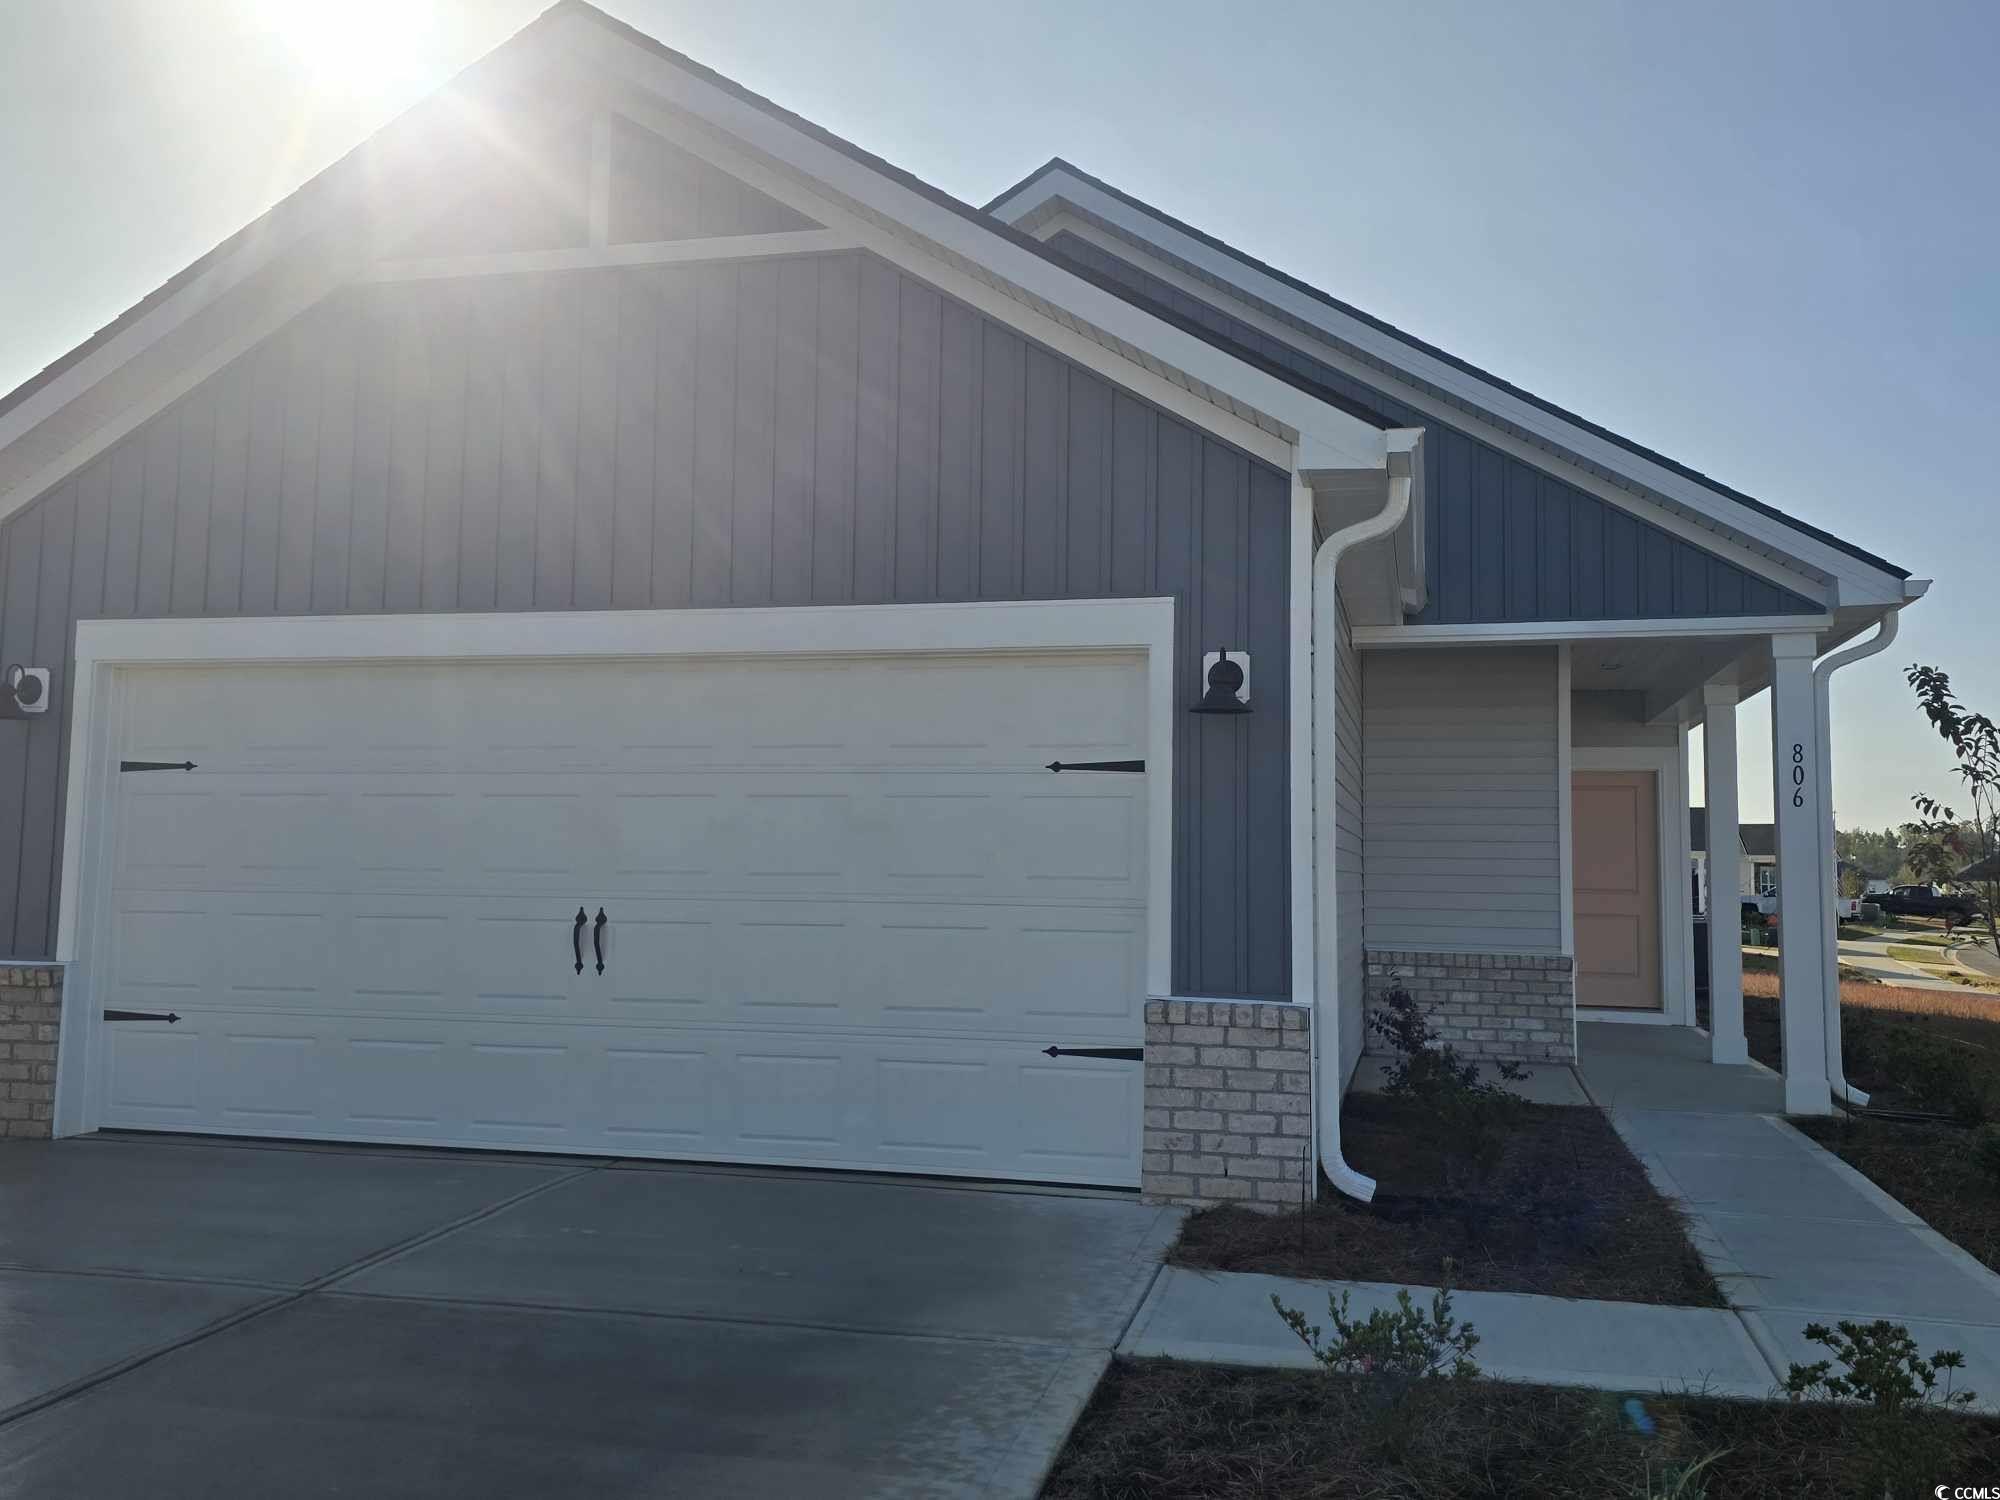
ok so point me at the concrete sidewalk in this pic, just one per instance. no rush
(1793, 1234)
(1226, 1317)
(1797, 1236)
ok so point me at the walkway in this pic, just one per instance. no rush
(1793, 1234)
(1870, 956)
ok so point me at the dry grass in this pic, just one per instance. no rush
(1865, 994)
(1158, 1430)
(1560, 1207)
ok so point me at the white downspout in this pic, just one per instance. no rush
(1829, 887)
(1328, 1079)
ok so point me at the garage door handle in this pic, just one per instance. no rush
(597, 938)
(576, 937)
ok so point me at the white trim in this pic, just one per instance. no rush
(644, 253)
(1724, 811)
(1299, 763)
(1565, 815)
(1668, 763)
(105, 648)
(1025, 277)
(1869, 584)
(1803, 914)
(1526, 631)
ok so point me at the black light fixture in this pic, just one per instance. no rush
(1226, 693)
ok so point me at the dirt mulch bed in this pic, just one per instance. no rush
(1160, 1430)
(1931, 1170)
(1562, 1208)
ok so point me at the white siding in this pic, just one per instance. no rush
(1460, 767)
(1348, 846)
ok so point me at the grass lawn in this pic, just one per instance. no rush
(1559, 1207)
(1161, 1430)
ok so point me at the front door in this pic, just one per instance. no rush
(1615, 820)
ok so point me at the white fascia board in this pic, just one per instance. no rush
(1858, 582)
(1533, 631)
(1033, 282)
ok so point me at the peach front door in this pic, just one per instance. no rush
(1615, 819)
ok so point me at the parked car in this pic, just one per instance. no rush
(1928, 901)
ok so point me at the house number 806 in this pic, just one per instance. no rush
(1798, 775)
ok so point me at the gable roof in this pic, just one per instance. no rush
(1326, 299)
(1241, 383)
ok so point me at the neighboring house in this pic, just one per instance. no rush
(561, 637)
(1756, 859)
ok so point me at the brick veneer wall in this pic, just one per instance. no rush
(30, 1019)
(1512, 1005)
(1228, 1102)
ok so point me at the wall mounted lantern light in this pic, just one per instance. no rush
(1228, 679)
(26, 692)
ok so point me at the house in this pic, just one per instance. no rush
(614, 620)
(1756, 862)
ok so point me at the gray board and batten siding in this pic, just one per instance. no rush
(1503, 541)
(822, 430)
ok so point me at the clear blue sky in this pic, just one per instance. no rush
(1758, 237)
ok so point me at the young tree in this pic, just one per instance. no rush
(1975, 742)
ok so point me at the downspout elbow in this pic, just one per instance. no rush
(1330, 1081)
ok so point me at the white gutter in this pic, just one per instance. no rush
(1828, 858)
(1328, 1075)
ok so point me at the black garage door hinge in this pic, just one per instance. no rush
(1121, 1054)
(156, 765)
(1097, 765)
(141, 1015)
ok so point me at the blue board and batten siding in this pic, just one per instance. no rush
(805, 431)
(1503, 540)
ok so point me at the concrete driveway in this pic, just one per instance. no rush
(185, 1318)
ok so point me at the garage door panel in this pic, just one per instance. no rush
(1076, 1118)
(846, 909)
(393, 1083)
(278, 954)
(662, 965)
(789, 967)
(651, 1096)
(403, 957)
(265, 1078)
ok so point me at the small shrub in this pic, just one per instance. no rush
(1427, 1067)
(1906, 1436)
(1399, 1350)
(1470, 1114)
(1403, 1346)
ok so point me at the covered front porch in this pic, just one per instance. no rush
(1627, 697)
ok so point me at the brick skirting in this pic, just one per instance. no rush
(1512, 1005)
(1228, 1102)
(30, 1020)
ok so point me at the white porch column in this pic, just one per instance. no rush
(1725, 937)
(1803, 916)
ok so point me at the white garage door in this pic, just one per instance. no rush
(844, 909)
